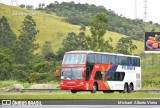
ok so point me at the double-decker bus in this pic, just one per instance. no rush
(99, 71)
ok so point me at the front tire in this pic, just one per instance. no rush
(94, 88)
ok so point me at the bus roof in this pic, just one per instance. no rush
(79, 52)
(87, 52)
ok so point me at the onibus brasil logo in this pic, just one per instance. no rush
(20, 102)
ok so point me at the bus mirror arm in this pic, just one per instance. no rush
(57, 72)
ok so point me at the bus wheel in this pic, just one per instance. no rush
(125, 88)
(130, 88)
(74, 91)
(94, 88)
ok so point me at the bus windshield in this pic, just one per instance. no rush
(71, 73)
(74, 59)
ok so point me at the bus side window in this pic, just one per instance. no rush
(98, 75)
(119, 76)
(119, 60)
(138, 62)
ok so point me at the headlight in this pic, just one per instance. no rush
(61, 82)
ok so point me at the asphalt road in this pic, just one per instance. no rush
(85, 106)
(109, 103)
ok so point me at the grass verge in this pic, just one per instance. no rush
(81, 95)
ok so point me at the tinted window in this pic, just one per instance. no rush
(124, 60)
(104, 59)
(115, 76)
(98, 75)
(134, 61)
(91, 58)
(95, 58)
(112, 59)
(119, 60)
(99, 58)
(137, 61)
(129, 61)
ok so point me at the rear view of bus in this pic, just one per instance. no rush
(99, 71)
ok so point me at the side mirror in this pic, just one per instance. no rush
(83, 72)
(57, 72)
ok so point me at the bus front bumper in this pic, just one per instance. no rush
(73, 87)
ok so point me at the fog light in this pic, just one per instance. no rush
(61, 82)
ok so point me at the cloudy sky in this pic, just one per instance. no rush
(121, 7)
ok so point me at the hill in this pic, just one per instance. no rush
(80, 14)
(52, 28)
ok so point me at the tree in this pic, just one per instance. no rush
(25, 46)
(6, 62)
(98, 25)
(40, 5)
(29, 7)
(7, 36)
(83, 28)
(22, 6)
(47, 51)
(125, 46)
(46, 48)
(43, 5)
(98, 29)
(73, 42)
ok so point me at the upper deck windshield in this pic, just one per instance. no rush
(74, 59)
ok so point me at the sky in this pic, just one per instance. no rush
(121, 7)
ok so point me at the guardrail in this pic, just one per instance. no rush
(55, 89)
(58, 89)
(147, 91)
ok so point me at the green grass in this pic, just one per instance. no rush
(150, 72)
(150, 77)
(52, 28)
(11, 82)
(80, 95)
(7, 83)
